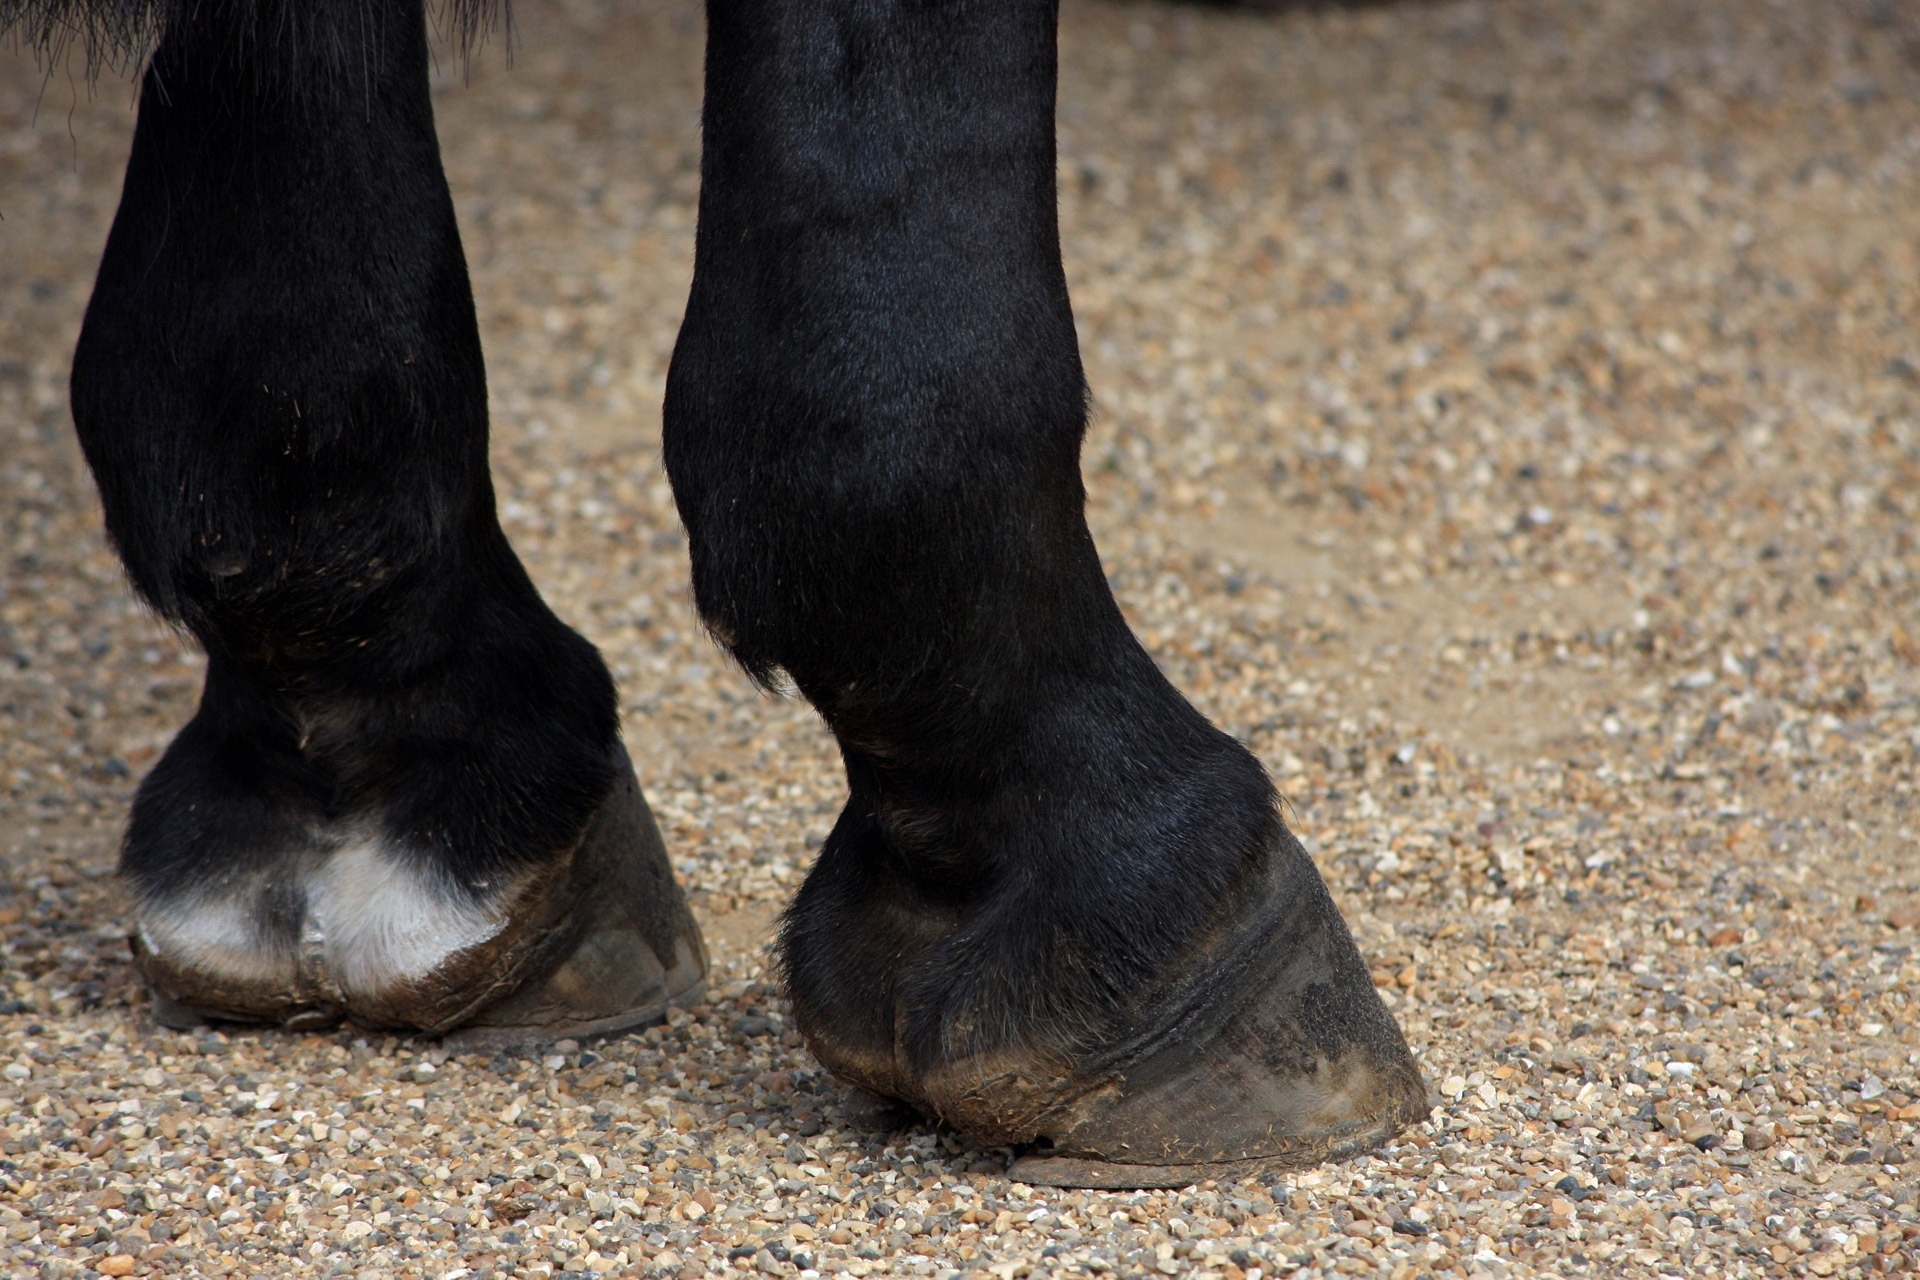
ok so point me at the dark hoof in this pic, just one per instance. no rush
(634, 952)
(1270, 1051)
(1279, 1125)
(178, 1015)
(1275, 1052)
(597, 940)
(866, 1112)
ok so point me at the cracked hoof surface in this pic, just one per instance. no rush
(595, 941)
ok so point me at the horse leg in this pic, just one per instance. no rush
(1060, 907)
(403, 798)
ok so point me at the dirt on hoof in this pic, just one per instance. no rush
(597, 941)
(1507, 426)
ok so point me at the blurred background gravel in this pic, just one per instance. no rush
(1508, 424)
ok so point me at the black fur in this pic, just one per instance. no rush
(873, 422)
(874, 416)
(280, 390)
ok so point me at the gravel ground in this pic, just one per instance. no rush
(1507, 425)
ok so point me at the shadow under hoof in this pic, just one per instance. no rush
(1108, 1175)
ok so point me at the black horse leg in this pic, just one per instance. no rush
(1060, 908)
(403, 798)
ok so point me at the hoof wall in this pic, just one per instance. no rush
(178, 1015)
(595, 942)
(488, 1038)
(1051, 1169)
(635, 953)
(1268, 1050)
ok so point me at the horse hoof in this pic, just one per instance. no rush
(1273, 1053)
(596, 940)
(1264, 1047)
(634, 953)
(1312, 1135)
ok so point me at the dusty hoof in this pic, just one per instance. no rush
(1267, 1049)
(1275, 1053)
(633, 950)
(594, 942)
(179, 1015)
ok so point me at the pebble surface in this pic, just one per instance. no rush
(1508, 424)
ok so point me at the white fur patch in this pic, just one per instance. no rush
(373, 917)
(216, 936)
(382, 922)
